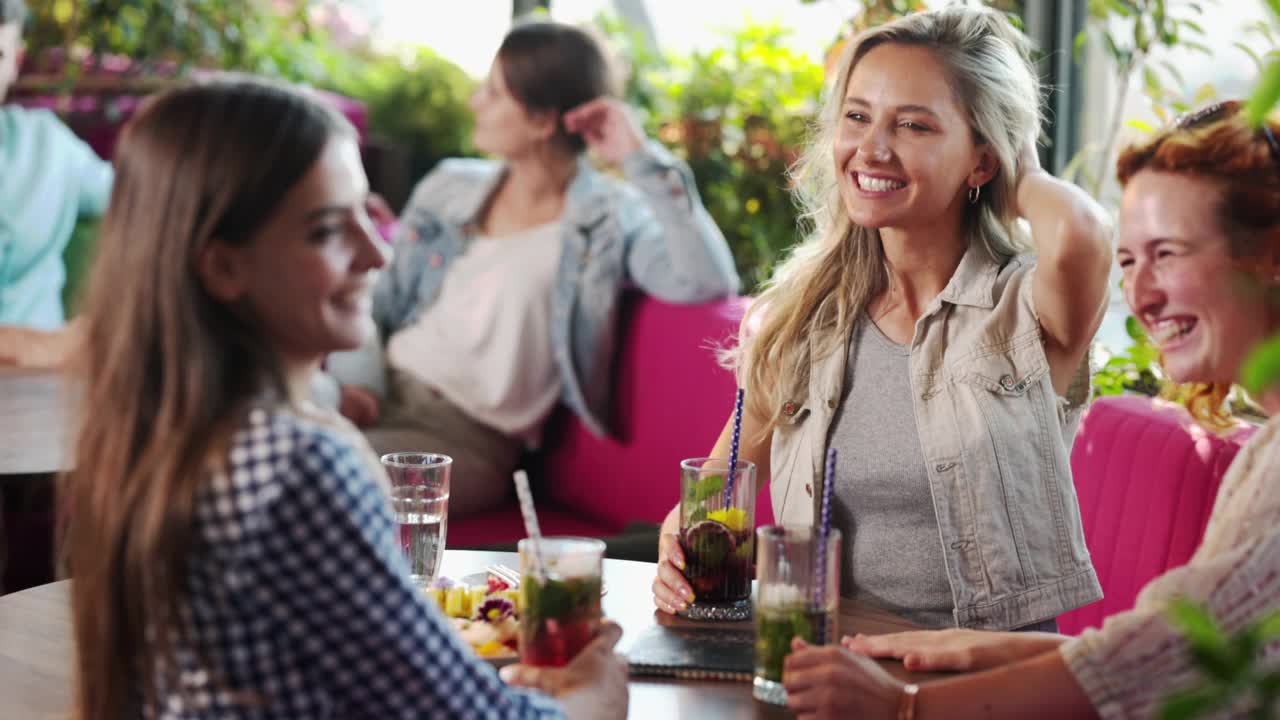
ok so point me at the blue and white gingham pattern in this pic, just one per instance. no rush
(300, 600)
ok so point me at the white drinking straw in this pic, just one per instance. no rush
(530, 521)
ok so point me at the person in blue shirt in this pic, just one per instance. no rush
(49, 178)
(233, 546)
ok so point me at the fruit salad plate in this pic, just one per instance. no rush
(484, 611)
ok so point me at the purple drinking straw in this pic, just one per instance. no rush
(733, 450)
(824, 531)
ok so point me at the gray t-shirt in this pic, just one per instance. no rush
(881, 499)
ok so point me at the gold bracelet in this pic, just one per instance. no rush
(907, 703)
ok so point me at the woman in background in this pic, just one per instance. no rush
(503, 296)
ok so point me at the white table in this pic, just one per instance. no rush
(36, 651)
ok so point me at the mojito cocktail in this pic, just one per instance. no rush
(798, 597)
(559, 611)
(717, 523)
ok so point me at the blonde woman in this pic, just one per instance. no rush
(912, 333)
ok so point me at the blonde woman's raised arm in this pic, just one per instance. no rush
(1073, 247)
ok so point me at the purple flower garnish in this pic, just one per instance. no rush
(494, 609)
(442, 583)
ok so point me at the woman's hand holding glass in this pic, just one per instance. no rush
(593, 684)
(671, 591)
(829, 681)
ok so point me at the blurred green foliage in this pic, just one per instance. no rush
(1133, 35)
(738, 115)
(148, 31)
(1229, 666)
(416, 99)
(1135, 368)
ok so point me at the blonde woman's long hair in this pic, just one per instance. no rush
(826, 283)
(168, 369)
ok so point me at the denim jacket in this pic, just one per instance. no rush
(650, 230)
(995, 437)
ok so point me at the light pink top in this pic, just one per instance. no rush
(485, 343)
(1136, 660)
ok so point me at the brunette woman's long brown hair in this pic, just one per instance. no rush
(1217, 143)
(167, 370)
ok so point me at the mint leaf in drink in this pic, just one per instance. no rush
(560, 599)
(801, 626)
(709, 486)
(775, 627)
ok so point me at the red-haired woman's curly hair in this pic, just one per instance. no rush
(1218, 143)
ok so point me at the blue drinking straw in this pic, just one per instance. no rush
(733, 450)
(824, 531)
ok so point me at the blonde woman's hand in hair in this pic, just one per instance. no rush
(592, 685)
(607, 126)
(954, 649)
(1029, 156)
(1072, 237)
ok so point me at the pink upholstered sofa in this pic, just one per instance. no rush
(671, 399)
(1146, 475)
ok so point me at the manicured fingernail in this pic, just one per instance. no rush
(679, 563)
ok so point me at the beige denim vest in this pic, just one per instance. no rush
(996, 439)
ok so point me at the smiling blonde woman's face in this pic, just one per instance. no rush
(904, 149)
(1203, 308)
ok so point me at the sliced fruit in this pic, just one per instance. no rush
(709, 542)
(456, 603)
(491, 648)
(734, 518)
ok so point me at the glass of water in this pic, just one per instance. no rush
(420, 499)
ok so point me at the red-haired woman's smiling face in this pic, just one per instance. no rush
(1203, 308)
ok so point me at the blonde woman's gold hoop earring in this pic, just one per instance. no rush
(974, 192)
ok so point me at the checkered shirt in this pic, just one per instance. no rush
(300, 600)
